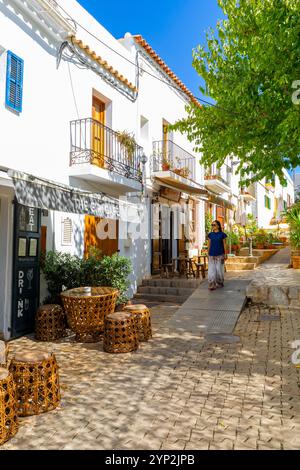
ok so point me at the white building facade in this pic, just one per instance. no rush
(65, 98)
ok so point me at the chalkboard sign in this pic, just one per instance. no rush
(26, 271)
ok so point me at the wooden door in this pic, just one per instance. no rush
(98, 132)
(107, 246)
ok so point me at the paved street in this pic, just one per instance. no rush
(178, 391)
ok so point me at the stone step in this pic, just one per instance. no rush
(178, 299)
(165, 290)
(242, 259)
(240, 267)
(182, 282)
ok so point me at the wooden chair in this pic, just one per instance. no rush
(166, 269)
(200, 267)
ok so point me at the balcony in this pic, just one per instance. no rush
(173, 166)
(248, 193)
(98, 155)
(216, 183)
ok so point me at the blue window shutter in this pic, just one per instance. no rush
(14, 82)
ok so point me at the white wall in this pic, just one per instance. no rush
(264, 215)
(6, 252)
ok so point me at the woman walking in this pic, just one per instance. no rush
(216, 256)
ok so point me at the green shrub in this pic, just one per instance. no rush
(65, 271)
(208, 222)
(293, 219)
(115, 270)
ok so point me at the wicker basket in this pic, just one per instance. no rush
(36, 378)
(8, 406)
(86, 311)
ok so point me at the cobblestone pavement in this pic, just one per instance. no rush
(176, 392)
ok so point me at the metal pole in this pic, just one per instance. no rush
(250, 247)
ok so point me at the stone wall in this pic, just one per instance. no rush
(288, 296)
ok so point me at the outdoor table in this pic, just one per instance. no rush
(86, 309)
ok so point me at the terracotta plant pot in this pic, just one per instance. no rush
(296, 261)
(165, 166)
(260, 246)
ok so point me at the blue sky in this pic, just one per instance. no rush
(172, 27)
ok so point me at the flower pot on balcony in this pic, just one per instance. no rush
(260, 246)
(165, 166)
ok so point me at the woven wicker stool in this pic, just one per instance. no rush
(36, 378)
(143, 320)
(120, 333)
(8, 406)
(50, 323)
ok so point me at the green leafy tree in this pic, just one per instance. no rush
(208, 222)
(251, 68)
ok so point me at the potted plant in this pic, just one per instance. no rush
(166, 166)
(185, 172)
(261, 239)
(127, 141)
(293, 219)
(233, 242)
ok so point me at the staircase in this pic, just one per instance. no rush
(246, 262)
(167, 290)
(241, 263)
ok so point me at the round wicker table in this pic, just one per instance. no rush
(87, 309)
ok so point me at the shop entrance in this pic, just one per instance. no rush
(26, 269)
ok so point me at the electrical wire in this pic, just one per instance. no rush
(135, 65)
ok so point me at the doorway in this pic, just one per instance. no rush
(26, 269)
(98, 132)
(102, 234)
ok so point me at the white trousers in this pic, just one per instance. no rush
(215, 271)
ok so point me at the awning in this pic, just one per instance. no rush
(45, 194)
(221, 202)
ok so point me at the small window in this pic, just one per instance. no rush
(14, 82)
(67, 231)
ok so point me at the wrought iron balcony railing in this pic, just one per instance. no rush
(168, 156)
(94, 143)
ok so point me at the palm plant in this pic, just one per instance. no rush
(293, 219)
